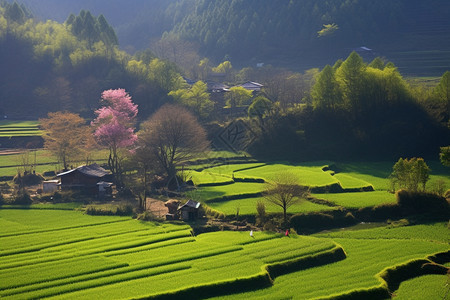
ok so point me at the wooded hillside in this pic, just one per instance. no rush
(300, 34)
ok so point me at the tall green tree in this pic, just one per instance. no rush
(410, 174)
(259, 108)
(350, 76)
(326, 92)
(238, 96)
(442, 90)
(196, 98)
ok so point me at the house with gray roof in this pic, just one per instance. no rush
(92, 179)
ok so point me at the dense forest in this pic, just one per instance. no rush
(64, 66)
(297, 34)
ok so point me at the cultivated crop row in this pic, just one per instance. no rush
(138, 263)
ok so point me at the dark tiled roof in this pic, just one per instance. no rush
(93, 170)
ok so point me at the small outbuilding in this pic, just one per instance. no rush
(190, 210)
(50, 186)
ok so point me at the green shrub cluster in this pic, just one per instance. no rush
(120, 210)
(60, 197)
(380, 212)
(320, 221)
(419, 202)
(22, 197)
(212, 212)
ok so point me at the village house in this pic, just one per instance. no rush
(91, 179)
(252, 86)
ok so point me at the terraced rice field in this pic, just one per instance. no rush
(358, 199)
(238, 187)
(424, 288)
(68, 255)
(19, 128)
(369, 252)
(43, 160)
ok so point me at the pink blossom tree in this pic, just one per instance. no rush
(114, 127)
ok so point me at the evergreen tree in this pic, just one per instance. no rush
(326, 92)
(350, 76)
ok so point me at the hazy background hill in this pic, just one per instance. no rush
(411, 33)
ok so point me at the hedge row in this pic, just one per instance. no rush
(305, 223)
(337, 188)
(216, 183)
(235, 197)
(249, 179)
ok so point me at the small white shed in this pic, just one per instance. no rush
(50, 186)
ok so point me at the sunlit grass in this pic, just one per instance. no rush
(358, 199)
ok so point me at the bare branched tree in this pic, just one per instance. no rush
(284, 191)
(172, 136)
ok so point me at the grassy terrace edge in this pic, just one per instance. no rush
(260, 280)
(391, 277)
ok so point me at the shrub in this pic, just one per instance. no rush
(124, 210)
(419, 202)
(60, 197)
(380, 212)
(21, 198)
(212, 212)
(316, 221)
(147, 216)
(94, 211)
(120, 210)
(260, 212)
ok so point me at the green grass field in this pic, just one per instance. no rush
(247, 206)
(42, 159)
(224, 188)
(368, 253)
(68, 255)
(359, 199)
(424, 288)
(19, 128)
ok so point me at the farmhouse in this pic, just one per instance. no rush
(252, 86)
(92, 179)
